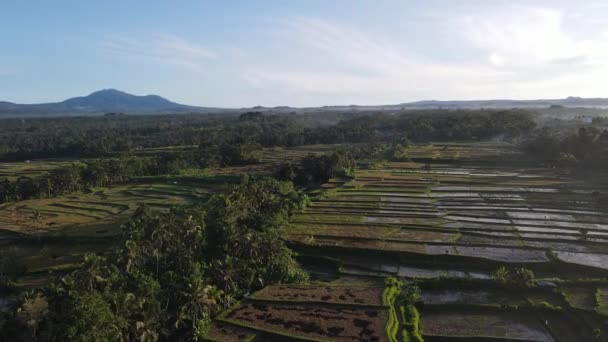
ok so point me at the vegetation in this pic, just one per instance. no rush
(588, 147)
(318, 169)
(231, 135)
(173, 272)
(389, 296)
(83, 176)
(519, 277)
(399, 198)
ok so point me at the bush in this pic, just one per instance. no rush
(90, 318)
(520, 277)
(399, 153)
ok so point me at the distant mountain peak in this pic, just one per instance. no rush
(116, 100)
(99, 102)
(109, 91)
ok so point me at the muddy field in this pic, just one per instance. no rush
(328, 293)
(312, 321)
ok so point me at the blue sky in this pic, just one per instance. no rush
(304, 53)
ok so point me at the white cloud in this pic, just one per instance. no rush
(523, 52)
(521, 33)
(528, 37)
(362, 68)
(164, 48)
(497, 60)
(535, 45)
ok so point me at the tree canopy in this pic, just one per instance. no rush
(172, 271)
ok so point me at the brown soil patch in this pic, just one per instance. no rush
(323, 293)
(335, 324)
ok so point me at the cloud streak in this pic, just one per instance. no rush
(529, 38)
(361, 65)
(162, 48)
(496, 50)
(521, 51)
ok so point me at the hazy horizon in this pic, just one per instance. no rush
(305, 54)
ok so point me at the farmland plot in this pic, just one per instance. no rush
(452, 219)
(467, 325)
(32, 169)
(316, 312)
(85, 211)
(46, 236)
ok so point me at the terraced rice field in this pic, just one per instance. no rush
(514, 217)
(448, 222)
(314, 312)
(90, 212)
(294, 154)
(31, 169)
(460, 151)
(46, 236)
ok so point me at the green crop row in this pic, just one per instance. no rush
(389, 296)
(411, 323)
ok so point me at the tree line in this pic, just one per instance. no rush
(103, 136)
(85, 175)
(588, 147)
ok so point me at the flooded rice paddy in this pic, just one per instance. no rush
(453, 225)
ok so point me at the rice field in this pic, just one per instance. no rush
(32, 169)
(94, 212)
(447, 220)
(506, 217)
(314, 312)
(44, 237)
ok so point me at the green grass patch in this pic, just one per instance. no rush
(601, 302)
(411, 323)
(389, 297)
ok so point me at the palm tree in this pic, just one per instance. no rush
(92, 272)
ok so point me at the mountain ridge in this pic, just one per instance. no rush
(116, 101)
(100, 102)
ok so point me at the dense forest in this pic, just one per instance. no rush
(102, 136)
(588, 147)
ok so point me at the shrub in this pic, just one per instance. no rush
(520, 277)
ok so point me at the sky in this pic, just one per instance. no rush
(304, 52)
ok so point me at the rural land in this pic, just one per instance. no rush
(134, 218)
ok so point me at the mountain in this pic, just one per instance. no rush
(567, 102)
(570, 102)
(100, 102)
(115, 101)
